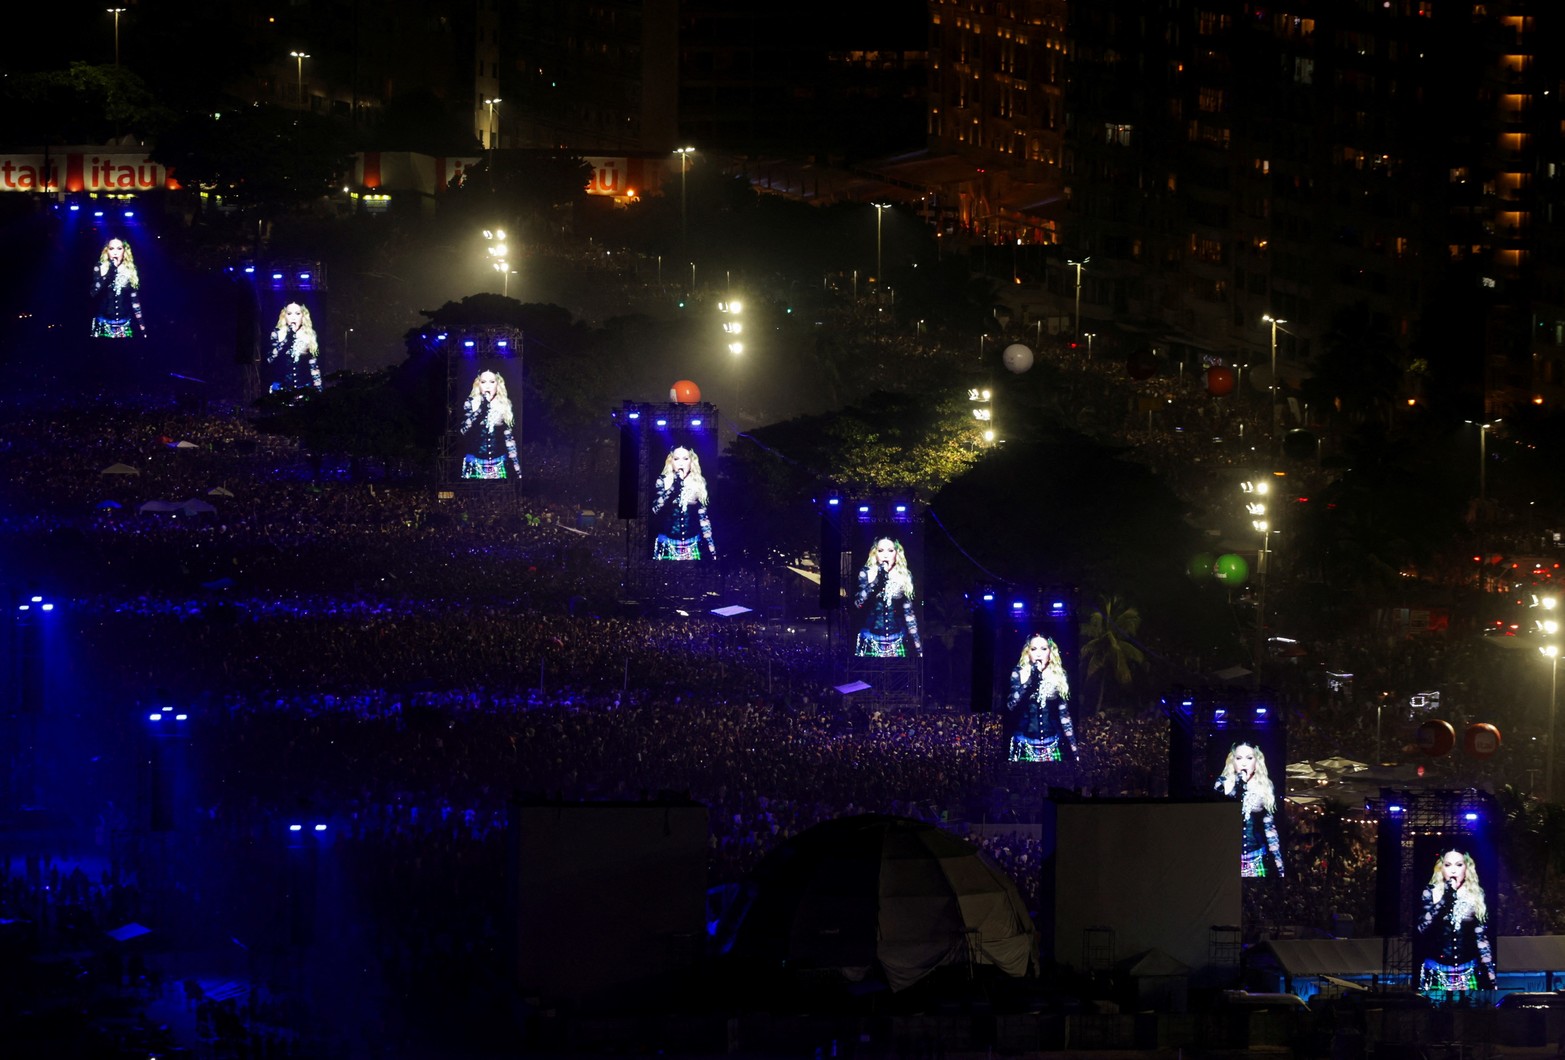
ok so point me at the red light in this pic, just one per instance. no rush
(1303, 500)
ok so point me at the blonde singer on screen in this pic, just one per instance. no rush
(1246, 778)
(679, 509)
(886, 597)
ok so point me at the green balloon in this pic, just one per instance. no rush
(1200, 566)
(1231, 569)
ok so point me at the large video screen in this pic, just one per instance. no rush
(1458, 887)
(292, 345)
(1245, 754)
(681, 454)
(116, 292)
(1036, 638)
(885, 598)
(487, 422)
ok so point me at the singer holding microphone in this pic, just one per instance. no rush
(1040, 705)
(679, 509)
(1245, 778)
(116, 294)
(886, 597)
(1454, 929)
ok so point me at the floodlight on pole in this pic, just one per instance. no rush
(880, 212)
(684, 154)
(1078, 263)
(116, 12)
(298, 58)
(1267, 318)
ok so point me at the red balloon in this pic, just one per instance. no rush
(1220, 381)
(1481, 739)
(684, 392)
(1435, 737)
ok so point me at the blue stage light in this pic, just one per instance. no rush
(181, 717)
(304, 276)
(37, 599)
(97, 213)
(1017, 605)
(1220, 712)
(155, 716)
(277, 275)
(503, 344)
(662, 422)
(634, 416)
(75, 206)
(24, 607)
(695, 422)
(988, 598)
(833, 501)
(320, 828)
(1260, 710)
(129, 214)
(249, 270)
(48, 607)
(1469, 817)
(296, 828)
(1393, 809)
(901, 508)
(863, 509)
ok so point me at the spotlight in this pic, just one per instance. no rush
(634, 416)
(1469, 817)
(695, 422)
(320, 828)
(833, 502)
(1393, 809)
(155, 716)
(662, 422)
(1016, 605)
(296, 828)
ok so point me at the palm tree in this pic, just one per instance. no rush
(1108, 644)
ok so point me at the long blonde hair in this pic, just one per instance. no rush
(1053, 676)
(307, 339)
(899, 579)
(125, 275)
(1470, 893)
(1259, 794)
(693, 489)
(500, 412)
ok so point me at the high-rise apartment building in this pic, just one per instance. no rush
(1389, 165)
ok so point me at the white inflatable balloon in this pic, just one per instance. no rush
(1017, 358)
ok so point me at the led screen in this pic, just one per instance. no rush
(1458, 887)
(1038, 653)
(885, 595)
(487, 422)
(292, 343)
(1246, 760)
(682, 459)
(116, 292)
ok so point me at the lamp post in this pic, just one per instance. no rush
(684, 158)
(880, 212)
(1267, 318)
(116, 12)
(1258, 520)
(1483, 487)
(1089, 336)
(1078, 265)
(1549, 627)
(489, 128)
(298, 58)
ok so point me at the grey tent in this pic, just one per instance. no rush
(119, 469)
(884, 894)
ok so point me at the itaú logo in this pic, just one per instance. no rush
(83, 171)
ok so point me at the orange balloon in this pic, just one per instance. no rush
(684, 392)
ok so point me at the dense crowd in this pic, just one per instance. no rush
(399, 668)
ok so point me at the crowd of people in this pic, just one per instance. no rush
(398, 667)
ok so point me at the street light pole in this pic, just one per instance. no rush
(880, 211)
(489, 128)
(116, 12)
(684, 157)
(298, 58)
(1078, 265)
(1267, 318)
